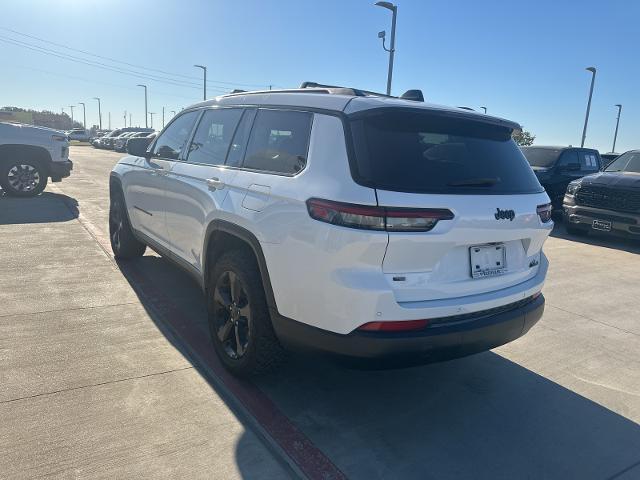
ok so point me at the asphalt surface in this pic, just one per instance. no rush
(106, 371)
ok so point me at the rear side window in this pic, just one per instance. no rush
(424, 153)
(171, 142)
(279, 141)
(213, 136)
(570, 157)
(589, 161)
(541, 157)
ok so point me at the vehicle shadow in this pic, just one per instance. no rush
(478, 417)
(596, 238)
(45, 208)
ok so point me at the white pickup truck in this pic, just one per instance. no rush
(29, 156)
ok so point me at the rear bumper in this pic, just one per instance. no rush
(442, 340)
(621, 222)
(60, 170)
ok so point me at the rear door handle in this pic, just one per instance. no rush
(215, 183)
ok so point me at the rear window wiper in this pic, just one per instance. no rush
(475, 182)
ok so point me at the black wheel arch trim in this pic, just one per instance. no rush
(250, 239)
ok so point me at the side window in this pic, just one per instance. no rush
(570, 157)
(589, 162)
(239, 143)
(279, 141)
(213, 136)
(171, 142)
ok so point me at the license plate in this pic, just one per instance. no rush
(602, 225)
(488, 260)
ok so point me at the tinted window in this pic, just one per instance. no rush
(213, 136)
(570, 157)
(627, 162)
(423, 153)
(541, 157)
(589, 161)
(239, 143)
(279, 141)
(174, 138)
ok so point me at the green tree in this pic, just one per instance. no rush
(523, 138)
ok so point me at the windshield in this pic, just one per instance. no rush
(627, 162)
(541, 157)
(425, 153)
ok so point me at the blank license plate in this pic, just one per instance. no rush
(603, 225)
(488, 260)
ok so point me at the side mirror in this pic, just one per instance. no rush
(138, 146)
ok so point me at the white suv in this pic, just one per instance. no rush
(341, 221)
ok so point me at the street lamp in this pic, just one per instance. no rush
(392, 47)
(84, 114)
(204, 84)
(586, 118)
(146, 124)
(99, 112)
(71, 107)
(615, 135)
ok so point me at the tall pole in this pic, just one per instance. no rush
(146, 115)
(125, 119)
(615, 135)
(392, 49)
(99, 112)
(84, 114)
(162, 117)
(586, 118)
(71, 107)
(129, 119)
(204, 85)
(109, 120)
(152, 114)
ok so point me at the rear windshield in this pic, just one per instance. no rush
(627, 162)
(541, 157)
(425, 153)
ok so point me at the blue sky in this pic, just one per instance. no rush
(523, 60)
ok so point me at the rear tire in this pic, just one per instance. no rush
(23, 178)
(123, 242)
(239, 319)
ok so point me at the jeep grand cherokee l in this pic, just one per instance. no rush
(341, 221)
(608, 201)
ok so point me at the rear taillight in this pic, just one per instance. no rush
(394, 326)
(376, 218)
(544, 212)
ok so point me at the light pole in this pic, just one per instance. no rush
(109, 120)
(84, 114)
(485, 109)
(146, 121)
(392, 48)
(586, 118)
(151, 114)
(125, 119)
(615, 135)
(71, 107)
(129, 119)
(99, 112)
(162, 117)
(204, 84)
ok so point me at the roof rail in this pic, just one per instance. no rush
(343, 90)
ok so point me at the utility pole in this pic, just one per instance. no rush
(99, 112)
(204, 84)
(586, 118)
(71, 107)
(392, 48)
(615, 135)
(84, 114)
(146, 124)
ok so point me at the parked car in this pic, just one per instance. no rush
(109, 140)
(29, 156)
(341, 221)
(78, 134)
(607, 201)
(120, 142)
(555, 167)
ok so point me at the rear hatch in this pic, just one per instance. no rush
(419, 160)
